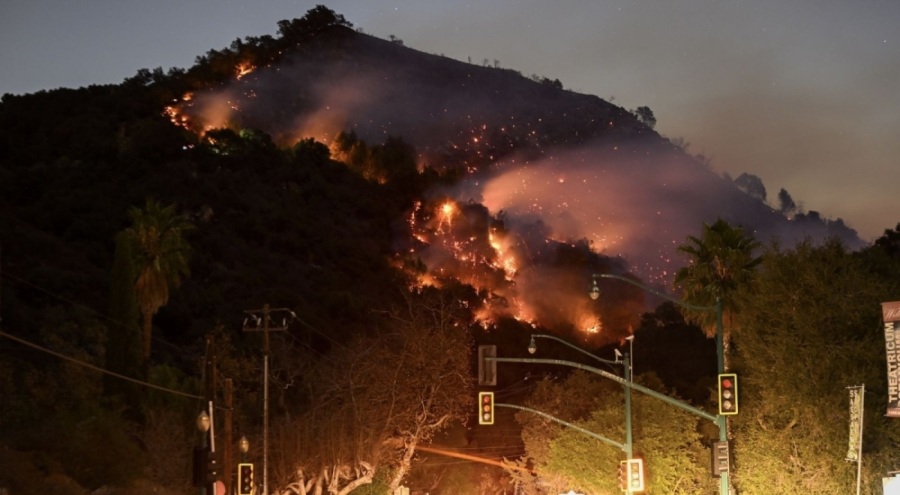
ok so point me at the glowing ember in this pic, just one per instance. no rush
(243, 69)
(518, 267)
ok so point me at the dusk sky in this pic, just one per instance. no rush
(803, 94)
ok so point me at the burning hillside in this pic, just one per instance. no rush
(541, 170)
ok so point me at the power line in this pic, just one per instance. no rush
(96, 368)
(87, 308)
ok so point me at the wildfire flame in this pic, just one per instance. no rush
(460, 241)
(243, 69)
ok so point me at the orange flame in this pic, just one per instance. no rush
(243, 69)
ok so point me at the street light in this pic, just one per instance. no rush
(245, 479)
(201, 457)
(721, 421)
(203, 424)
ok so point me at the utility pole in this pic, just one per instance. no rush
(210, 394)
(261, 321)
(229, 439)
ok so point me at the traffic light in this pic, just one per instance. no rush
(728, 394)
(487, 368)
(245, 479)
(721, 458)
(213, 467)
(623, 475)
(206, 467)
(635, 475)
(485, 408)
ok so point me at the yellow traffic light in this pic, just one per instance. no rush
(635, 475)
(245, 479)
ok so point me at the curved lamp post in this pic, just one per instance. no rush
(721, 421)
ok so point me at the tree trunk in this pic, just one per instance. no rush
(358, 482)
(403, 468)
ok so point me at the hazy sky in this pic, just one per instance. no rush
(804, 94)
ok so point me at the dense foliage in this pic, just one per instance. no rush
(667, 438)
(810, 328)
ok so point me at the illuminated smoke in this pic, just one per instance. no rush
(548, 175)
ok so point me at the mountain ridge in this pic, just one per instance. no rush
(478, 123)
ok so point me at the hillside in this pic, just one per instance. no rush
(325, 171)
(517, 144)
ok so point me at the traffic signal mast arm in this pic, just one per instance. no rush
(634, 386)
(618, 445)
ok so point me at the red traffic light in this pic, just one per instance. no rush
(728, 394)
(485, 408)
(245, 479)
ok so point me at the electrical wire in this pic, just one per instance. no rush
(91, 310)
(96, 368)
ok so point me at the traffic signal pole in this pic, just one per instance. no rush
(629, 439)
(720, 420)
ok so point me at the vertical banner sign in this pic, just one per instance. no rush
(856, 411)
(891, 313)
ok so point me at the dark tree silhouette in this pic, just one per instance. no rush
(751, 185)
(645, 115)
(786, 203)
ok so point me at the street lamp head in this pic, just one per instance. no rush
(203, 421)
(595, 290)
(532, 346)
(244, 444)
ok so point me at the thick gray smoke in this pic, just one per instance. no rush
(582, 167)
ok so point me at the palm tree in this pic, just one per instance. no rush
(721, 261)
(161, 256)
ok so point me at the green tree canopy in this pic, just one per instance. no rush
(809, 329)
(666, 437)
(721, 261)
